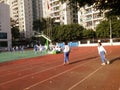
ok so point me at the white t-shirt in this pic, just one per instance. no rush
(100, 49)
(66, 48)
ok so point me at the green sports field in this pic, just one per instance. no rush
(17, 55)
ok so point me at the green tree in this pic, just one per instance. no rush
(112, 5)
(70, 32)
(39, 25)
(103, 29)
(13, 22)
(14, 29)
(44, 25)
(15, 33)
(89, 34)
(115, 25)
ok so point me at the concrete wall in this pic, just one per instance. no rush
(5, 22)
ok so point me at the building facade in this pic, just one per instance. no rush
(21, 14)
(68, 14)
(89, 17)
(46, 8)
(24, 12)
(5, 32)
(62, 12)
(37, 8)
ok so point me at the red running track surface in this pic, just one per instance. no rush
(48, 72)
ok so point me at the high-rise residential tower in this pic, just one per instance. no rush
(68, 14)
(89, 17)
(21, 13)
(46, 8)
(37, 8)
(5, 32)
(62, 12)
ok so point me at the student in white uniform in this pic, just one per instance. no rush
(102, 52)
(66, 51)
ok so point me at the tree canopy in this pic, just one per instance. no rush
(103, 29)
(15, 33)
(39, 25)
(111, 5)
(70, 32)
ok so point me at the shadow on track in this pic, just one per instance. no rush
(115, 59)
(86, 59)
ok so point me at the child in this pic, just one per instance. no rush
(66, 53)
(102, 53)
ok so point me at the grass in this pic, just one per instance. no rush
(9, 56)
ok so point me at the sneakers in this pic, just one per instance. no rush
(103, 64)
(66, 63)
(108, 62)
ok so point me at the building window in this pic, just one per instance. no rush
(3, 43)
(3, 35)
(89, 24)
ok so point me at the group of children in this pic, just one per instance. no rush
(16, 48)
(101, 52)
(39, 48)
(66, 50)
(51, 49)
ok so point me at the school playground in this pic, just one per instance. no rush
(47, 72)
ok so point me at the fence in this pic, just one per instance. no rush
(106, 42)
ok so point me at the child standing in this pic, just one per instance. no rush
(66, 53)
(35, 48)
(102, 52)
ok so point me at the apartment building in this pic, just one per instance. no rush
(37, 8)
(65, 14)
(5, 32)
(89, 17)
(21, 13)
(25, 18)
(62, 13)
(54, 6)
(46, 8)
(68, 14)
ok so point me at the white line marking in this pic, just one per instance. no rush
(33, 74)
(84, 78)
(53, 76)
(24, 69)
(27, 64)
(29, 75)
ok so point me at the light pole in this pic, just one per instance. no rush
(111, 41)
(110, 30)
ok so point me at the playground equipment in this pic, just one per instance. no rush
(42, 35)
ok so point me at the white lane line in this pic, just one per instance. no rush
(85, 78)
(24, 70)
(28, 75)
(21, 66)
(54, 76)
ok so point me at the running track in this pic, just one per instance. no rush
(48, 72)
